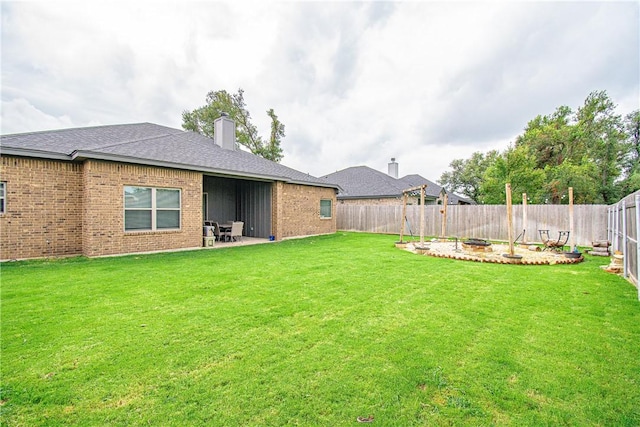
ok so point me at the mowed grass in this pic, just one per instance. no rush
(316, 332)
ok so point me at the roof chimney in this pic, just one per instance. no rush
(393, 168)
(224, 132)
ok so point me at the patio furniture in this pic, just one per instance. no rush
(216, 230)
(208, 229)
(236, 230)
(224, 231)
(556, 245)
(211, 228)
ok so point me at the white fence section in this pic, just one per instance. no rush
(623, 233)
(480, 221)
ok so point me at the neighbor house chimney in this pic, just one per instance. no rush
(224, 132)
(393, 168)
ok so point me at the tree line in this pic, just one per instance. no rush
(593, 149)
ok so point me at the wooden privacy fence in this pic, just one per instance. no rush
(624, 234)
(480, 221)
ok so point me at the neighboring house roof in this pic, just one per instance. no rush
(362, 182)
(153, 145)
(434, 189)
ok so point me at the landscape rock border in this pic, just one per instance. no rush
(448, 249)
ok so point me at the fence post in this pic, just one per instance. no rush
(624, 240)
(610, 224)
(616, 222)
(637, 200)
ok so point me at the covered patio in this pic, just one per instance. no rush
(225, 200)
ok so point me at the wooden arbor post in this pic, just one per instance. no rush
(524, 219)
(408, 191)
(404, 216)
(509, 218)
(445, 203)
(572, 236)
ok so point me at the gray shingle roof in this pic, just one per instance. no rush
(364, 182)
(151, 144)
(434, 189)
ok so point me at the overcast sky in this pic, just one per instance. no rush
(355, 83)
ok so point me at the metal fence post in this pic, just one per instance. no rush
(625, 260)
(610, 224)
(616, 227)
(637, 200)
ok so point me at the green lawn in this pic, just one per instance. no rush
(316, 331)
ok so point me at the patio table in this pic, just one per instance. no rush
(225, 228)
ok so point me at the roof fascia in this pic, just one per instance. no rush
(83, 155)
(26, 152)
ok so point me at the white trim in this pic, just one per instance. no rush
(154, 209)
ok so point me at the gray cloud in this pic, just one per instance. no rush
(554, 54)
(354, 82)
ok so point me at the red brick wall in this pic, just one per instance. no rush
(103, 212)
(297, 210)
(43, 214)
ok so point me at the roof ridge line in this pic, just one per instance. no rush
(35, 132)
(142, 139)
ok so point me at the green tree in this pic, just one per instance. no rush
(592, 150)
(277, 133)
(582, 177)
(517, 165)
(467, 175)
(601, 132)
(550, 138)
(201, 121)
(631, 182)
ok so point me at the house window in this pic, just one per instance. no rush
(147, 208)
(325, 208)
(3, 197)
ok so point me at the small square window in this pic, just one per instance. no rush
(325, 208)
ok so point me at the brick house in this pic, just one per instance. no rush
(143, 187)
(362, 185)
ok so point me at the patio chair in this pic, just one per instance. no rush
(551, 244)
(236, 230)
(216, 230)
